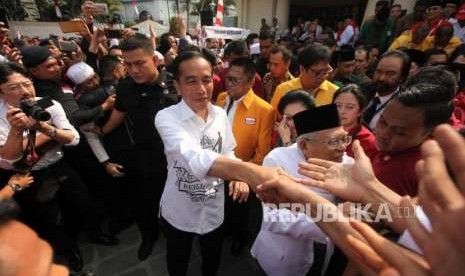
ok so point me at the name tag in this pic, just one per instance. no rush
(250, 121)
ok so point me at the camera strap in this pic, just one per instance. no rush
(30, 157)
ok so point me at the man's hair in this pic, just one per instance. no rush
(402, 56)
(107, 64)
(354, 90)
(266, 35)
(362, 48)
(433, 100)
(287, 55)
(314, 54)
(247, 65)
(434, 52)
(238, 47)
(296, 96)
(437, 75)
(134, 43)
(396, 5)
(114, 47)
(422, 3)
(8, 69)
(185, 56)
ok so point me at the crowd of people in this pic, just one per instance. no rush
(184, 136)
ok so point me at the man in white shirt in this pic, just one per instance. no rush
(286, 247)
(199, 143)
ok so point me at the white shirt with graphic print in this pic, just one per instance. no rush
(192, 201)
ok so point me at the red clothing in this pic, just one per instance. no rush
(367, 141)
(397, 170)
(220, 86)
(438, 24)
(458, 116)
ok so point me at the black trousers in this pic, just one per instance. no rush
(236, 217)
(140, 189)
(179, 245)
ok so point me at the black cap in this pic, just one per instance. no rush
(346, 54)
(34, 55)
(435, 3)
(455, 2)
(416, 56)
(315, 119)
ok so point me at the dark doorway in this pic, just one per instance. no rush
(328, 11)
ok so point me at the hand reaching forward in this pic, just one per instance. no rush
(383, 256)
(347, 181)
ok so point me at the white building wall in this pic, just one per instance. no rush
(250, 12)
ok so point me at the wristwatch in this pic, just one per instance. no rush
(15, 187)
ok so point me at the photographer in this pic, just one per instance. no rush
(57, 188)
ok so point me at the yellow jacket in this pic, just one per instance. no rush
(453, 43)
(252, 126)
(323, 95)
(405, 40)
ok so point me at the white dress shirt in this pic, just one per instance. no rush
(347, 36)
(53, 155)
(459, 31)
(233, 109)
(192, 201)
(382, 100)
(285, 247)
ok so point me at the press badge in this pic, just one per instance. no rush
(250, 121)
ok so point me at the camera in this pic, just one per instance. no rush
(34, 110)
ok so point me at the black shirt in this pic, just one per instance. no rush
(141, 102)
(75, 115)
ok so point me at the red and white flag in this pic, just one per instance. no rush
(219, 13)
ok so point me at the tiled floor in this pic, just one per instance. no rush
(121, 260)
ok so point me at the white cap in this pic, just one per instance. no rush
(159, 55)
(80, 72)
(255, 49)
(113, 42)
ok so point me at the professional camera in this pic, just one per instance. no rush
(35, 110)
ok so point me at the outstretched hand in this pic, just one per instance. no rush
(347, 181)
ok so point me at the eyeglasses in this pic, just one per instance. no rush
(333, 143)
(16, 87)
(321, 72)
(234, 81)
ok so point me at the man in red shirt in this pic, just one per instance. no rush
(405, 124)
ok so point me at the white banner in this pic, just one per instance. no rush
(225, 32)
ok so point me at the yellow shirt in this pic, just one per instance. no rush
(323, 94)
(405, 40)
(252, 126)
(450, 47)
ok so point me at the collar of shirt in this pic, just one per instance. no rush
(187, 113)
(246, 100)
(384, 99)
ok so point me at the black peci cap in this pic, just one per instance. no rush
(34, 55)
(315, 119)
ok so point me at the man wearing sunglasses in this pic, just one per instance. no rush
(289, 243)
